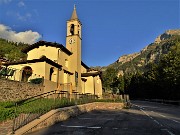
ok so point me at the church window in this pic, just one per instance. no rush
(51, 73)
(76, 78)
(66, 62)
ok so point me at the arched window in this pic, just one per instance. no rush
(51, 73)
(26, 73)
(72, 29)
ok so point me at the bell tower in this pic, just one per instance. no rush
(73, 44)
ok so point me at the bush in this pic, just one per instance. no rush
(7, 104)
(6, 113)
(36, 80)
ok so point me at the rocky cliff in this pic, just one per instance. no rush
(150, 54)
(166, 35)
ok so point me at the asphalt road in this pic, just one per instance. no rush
(143, 118)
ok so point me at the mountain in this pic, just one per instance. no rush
(152, 53)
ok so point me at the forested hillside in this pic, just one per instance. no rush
(153, 73)
(12, 50)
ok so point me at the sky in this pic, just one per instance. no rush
(110, 28)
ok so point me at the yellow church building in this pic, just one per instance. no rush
(60, 67)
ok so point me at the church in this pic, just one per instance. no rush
(60, 67)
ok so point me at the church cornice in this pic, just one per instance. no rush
(93, 74)
(42, 59)
(45, 43)
(74, 35)
(84, 65)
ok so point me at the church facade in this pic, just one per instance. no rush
(60, 67)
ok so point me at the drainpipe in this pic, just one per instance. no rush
(84, 86)
(57, 68)
(94, 86)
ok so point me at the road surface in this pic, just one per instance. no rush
(143, 118)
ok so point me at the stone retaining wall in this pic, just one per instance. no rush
(14, 90)
(6, 127)
(61, 114)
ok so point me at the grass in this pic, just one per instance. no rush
(9, 109)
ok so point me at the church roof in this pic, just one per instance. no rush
(42, 43)
(91, 74)
(74, 14)
(84, 65)
(42, 59)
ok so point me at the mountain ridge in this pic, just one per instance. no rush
(131, 63)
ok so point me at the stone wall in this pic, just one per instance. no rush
(14, 90)
(6, 127)
(61, 114)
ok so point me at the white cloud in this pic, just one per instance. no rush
(24, 17)
(5, 1)
(21, 17)
(29, 36)
(21, 4)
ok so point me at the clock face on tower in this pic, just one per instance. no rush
(71, 41)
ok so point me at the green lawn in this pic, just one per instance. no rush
(8, 110)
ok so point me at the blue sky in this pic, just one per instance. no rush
(110, 28)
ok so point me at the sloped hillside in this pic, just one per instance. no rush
(11, 51)
(150, 54)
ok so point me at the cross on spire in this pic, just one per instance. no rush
(74, 14)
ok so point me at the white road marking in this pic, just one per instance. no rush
(152, 118)
(107, 114)
(168, 131)
(94, 118)
(115, 128)
(73, 126)
(159, 114)
(166, 117)
(125, 128)
(145, 112)
(80, 127)
(157, 122)
(94, 127)
(176, 121)
(84, 118)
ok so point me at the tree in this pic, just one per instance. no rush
(109, 76)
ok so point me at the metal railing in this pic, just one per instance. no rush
(31, 108)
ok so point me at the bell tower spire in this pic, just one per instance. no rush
(74, 14)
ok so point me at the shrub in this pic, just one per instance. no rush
(6, 113)
(36, 80)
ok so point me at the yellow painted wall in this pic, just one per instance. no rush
(49, 52)
(83, 69)
(89, 85)
(38, 70)
(98, 86)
